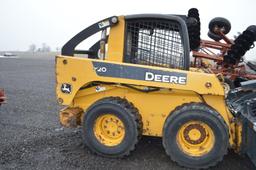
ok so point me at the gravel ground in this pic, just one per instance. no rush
(32, 138)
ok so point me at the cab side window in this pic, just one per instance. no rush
(154, 42)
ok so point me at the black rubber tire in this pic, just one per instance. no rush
(220, 22)
(194, 27)
(194, 33)
(252, 28)
(199, 112)
(214, 36)
(126, 112)
(193, 12)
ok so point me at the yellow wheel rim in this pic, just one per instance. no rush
(109, 130)
(195, 138)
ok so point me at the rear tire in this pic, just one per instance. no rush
(195, 136)
(111, 127)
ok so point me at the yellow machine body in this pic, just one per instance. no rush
(154, 107)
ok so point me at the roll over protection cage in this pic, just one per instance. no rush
(69, 48)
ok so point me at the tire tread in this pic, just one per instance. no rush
(194, 106)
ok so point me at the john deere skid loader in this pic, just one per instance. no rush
(136, 80)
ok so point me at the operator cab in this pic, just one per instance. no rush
(146, 39)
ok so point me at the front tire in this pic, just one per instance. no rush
(195, 136)
(111, 127)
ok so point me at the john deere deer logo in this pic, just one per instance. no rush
(66, 88)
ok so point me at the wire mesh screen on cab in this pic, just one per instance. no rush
(154, 42)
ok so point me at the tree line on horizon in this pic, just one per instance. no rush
(43, 48)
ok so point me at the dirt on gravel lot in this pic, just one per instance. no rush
(32, 138)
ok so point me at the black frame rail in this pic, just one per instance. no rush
(69, 48)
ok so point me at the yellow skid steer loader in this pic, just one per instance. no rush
(136, 80)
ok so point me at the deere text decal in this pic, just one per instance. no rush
(138, 73)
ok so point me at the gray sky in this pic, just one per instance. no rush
(23, 22)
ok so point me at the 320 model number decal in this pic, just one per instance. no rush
(100, 69)
(138, 73)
